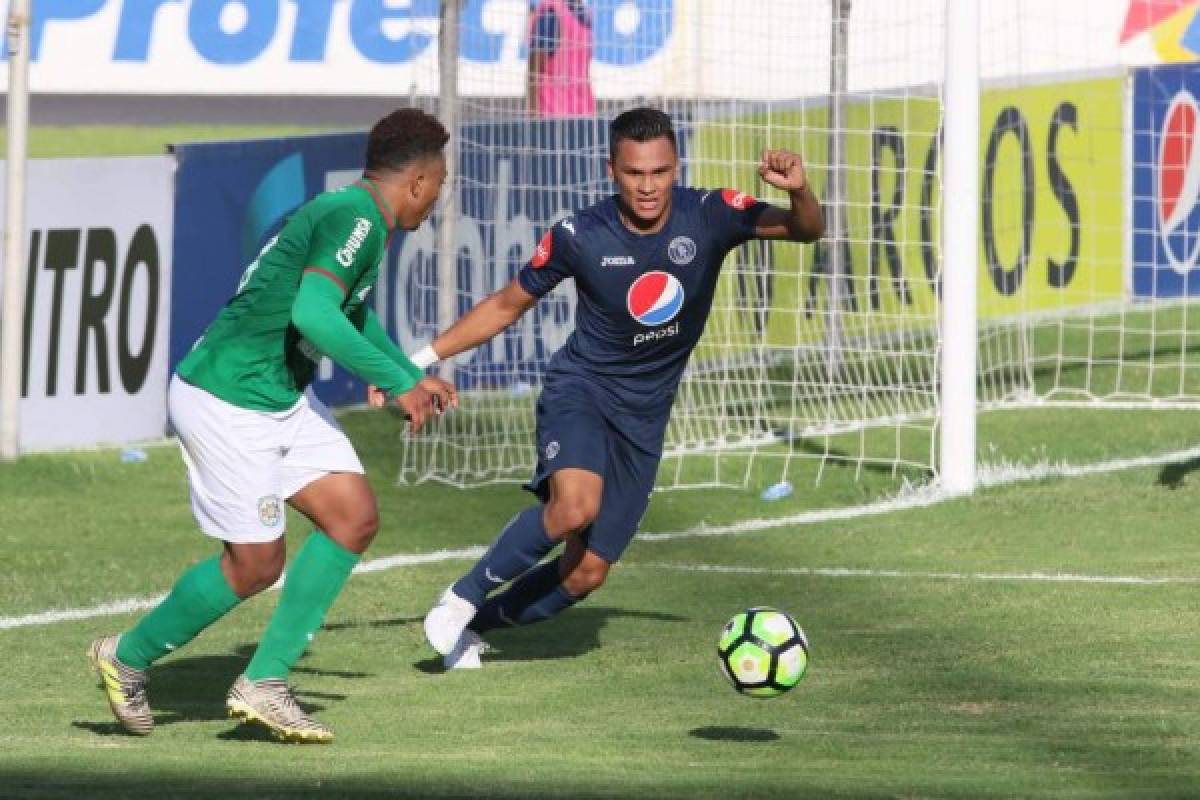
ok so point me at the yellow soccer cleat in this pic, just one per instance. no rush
(270, 703)
(124, 686)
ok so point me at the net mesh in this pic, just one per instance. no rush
(825, 353)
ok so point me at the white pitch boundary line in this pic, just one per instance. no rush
(144, 603)
(69, 615)
(844, 572)
(918, 498)
(923, 496)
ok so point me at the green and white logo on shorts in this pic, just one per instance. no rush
(270, 510)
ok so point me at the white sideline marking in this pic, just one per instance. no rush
(988, 475)
(914, 498)
(844, 572)
(411, 560)
(68, 615)
(144, 603)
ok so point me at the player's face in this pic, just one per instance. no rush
(425, 185)
(644, 173)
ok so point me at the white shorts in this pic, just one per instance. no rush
(242, 465)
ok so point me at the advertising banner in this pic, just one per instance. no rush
(98, 280)
(776, 49)
(516, 179)
(1051, 203)
(325, 47)
(1166, 181)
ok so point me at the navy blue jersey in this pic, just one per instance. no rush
(643, 299)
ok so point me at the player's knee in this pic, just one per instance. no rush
(585, 579)
(253, 576)
(360, 531)
(571, 516)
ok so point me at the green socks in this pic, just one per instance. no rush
(199, 598)
(313, 582)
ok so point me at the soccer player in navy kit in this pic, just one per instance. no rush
(645, 263)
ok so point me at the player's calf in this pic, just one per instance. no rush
(253, 567)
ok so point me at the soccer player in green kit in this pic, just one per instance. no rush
(253, 436)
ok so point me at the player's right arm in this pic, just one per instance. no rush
(549, 266)
(493, 314)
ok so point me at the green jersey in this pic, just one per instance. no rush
(254, 355)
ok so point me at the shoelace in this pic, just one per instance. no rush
(133, 685)
(478, 642)
(284, 692)
(287, 700)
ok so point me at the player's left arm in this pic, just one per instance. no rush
(804, 221)
(373, 331)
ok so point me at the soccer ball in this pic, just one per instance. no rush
(763, 652)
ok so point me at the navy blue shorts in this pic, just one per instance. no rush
(576, 428)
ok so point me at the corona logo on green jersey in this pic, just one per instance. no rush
(345, 254)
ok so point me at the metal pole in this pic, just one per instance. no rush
(836, 188)
(960, 246)
(448, 219)
(12, 316)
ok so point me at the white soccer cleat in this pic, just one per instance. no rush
(124, 686)
(446, 621)
(465, 654)
(271, 704)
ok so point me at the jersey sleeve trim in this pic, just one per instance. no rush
(328, 274)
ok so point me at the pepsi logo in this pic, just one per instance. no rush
(654, 298)
(1177, 183)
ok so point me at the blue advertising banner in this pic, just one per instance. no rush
(1166, 181)
(516, 179)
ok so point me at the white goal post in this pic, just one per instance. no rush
(974, 161)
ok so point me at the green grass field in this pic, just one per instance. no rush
(941, 668)
(1038, 639)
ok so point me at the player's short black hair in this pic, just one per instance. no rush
(641, 125)
(402, 137)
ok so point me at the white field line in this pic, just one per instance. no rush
(68, 615)
(843, 572)
(995, 475)
(988, 475)
(141, 604)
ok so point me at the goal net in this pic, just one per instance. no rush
(813, 354)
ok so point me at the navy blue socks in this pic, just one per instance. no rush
(535, 596)
(521, 544)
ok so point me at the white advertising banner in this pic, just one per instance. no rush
(642, 48)
(317, 47)
(97, 301)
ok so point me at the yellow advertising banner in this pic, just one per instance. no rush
(1050, 209)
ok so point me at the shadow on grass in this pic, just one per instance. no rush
(193, 689)
(391, 622)
(574, 633)
(1172, 476)
(838, 457)
(50, 782)
(734, 734)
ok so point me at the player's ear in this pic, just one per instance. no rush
(612, 176)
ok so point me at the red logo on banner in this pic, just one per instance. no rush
(738, 200)
(542, 253)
